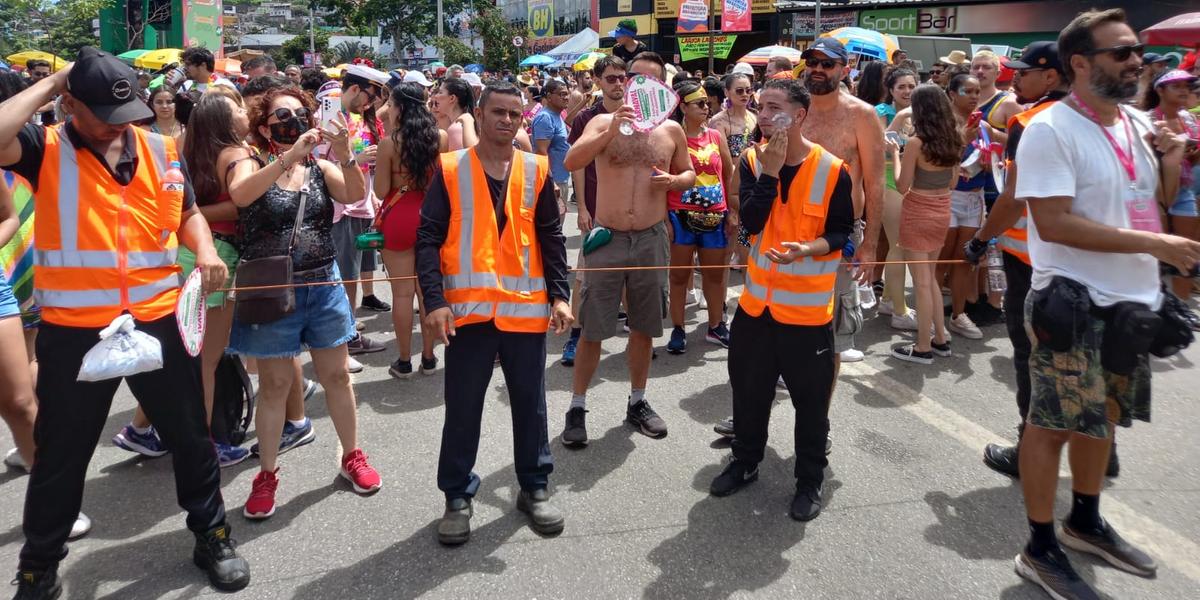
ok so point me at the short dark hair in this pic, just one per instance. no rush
(258, 61)
(782, 63)
(653, 57)
(265, 83)
(1076, 38)
(794, 88)
(606, 63)
(498, 87)
(35, 63)
(311, 80)
(712, 87)
(199, 55)
(552, 87)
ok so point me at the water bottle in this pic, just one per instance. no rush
(995, 268)
(173, 178)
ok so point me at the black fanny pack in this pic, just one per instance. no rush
(699, 221)
(1060, 313)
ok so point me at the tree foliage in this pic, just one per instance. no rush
(454, 51)
(349, 50)
(59, 27)
(292, 51)
(497, 34)
(404, 22)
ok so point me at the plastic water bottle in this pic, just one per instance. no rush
(995, 268)
(173, 178)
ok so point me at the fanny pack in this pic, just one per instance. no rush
(699, 221)
(261, 306)
(1060, 313)
(595, 239)
(372, 239)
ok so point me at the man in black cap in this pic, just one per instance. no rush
(88, 275)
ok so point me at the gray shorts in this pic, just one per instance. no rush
(351, 261)
(846, 299)
(644, 290)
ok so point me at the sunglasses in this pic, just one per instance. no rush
(611, 79)
(742, 90)
(699, 104)
(824, 63)
(283, 114)
(1119, 53)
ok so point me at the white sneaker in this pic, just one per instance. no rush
(80, 528)
(702, 303)
(866, 297)
(692, 297)
(885, 308)
(13, 460)
(852, 355)
(780, 384)
(963, 325)
(906, 321)
(353, 365)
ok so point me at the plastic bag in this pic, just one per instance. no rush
(122, 351)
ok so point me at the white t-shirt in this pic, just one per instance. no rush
(203, 87)
(1063, 153)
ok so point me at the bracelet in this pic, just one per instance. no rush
(351, 162)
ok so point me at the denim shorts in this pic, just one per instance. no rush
(1185, 203)
(714, 240)
(322, 319)
(8, 302)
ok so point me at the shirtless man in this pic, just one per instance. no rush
(634, 173)
(582, 96)
(849, 128)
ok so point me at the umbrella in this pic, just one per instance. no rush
(586, 61)
(435, 64)
(865, 42)
(157, 59)
(3, 65)
(537, 60)
(332, 72)
(761, 56)
(131, 55)
(229, 66)
(21, 58)
(1179, 30)
(156, 82)
(474, 68)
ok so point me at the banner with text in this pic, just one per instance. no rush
(669, 9)
(805, 23)
(541, 18)
(693, 16)
(735, 15)
(1050, 16)
(693, 47)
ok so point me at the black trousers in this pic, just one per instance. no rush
(1018, 276)
(761, 350)
(70, 419)
(470, 358)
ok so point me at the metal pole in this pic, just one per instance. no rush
(817, 21)
(712, 18)
(312, 44)
(439, 29)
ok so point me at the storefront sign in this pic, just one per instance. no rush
(541, 18)
(735, 15)
(693, 16)
(804, 23)
(692, 47)
(669, 9)
(988, 18)
(624, 6)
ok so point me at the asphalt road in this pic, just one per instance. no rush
(911, 512)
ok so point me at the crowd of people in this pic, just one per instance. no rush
(825, 187)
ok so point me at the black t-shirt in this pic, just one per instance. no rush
(33, 149)
(757, 196)
(619, 51)
(589, 172)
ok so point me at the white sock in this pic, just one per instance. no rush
(578, 400)
(298, 424)
(636, 396)
(140, 430)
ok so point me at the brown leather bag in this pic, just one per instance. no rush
(261, 306)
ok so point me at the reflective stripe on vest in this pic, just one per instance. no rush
(98, 298)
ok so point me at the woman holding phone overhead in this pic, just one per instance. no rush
(285, 208)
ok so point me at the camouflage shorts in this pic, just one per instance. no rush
(1071, 391)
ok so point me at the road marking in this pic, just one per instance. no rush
(1168, 547)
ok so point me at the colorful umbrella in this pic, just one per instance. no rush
(762, 56)
(21, 58)
(435, 64)
(131, 56)
(866, 42)
(474, 68)
(1179, 30)
(537, 60)
(157, 59)
(332, 72)
(586, 61)
(4, 65)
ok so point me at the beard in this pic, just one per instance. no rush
(819, 87)
(1114, 89)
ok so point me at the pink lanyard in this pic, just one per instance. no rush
(1123, 157)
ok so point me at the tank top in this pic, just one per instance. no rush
(709, 192)
(936, 179)
(267, 224)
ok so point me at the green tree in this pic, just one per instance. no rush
(454, 51)
(59, 27)
(497, 34)
(404, 22)
(349, 50)
(292, 51)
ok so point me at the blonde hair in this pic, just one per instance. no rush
(989, 56)
(226, 91)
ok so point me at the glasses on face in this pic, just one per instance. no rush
(1119, 53)
(741, 90)
(936, 72)
(700, 104)
(612, 79)
(824, 63)
(283, 114)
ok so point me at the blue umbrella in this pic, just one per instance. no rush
(4, 65)
(866, 42)
(538, 60)
(474, 68)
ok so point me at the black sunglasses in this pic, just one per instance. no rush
(283, 114)
(742, 90)
(1119, 53)
(824, 63)
(611, 79)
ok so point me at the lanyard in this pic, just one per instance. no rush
(1123, 157)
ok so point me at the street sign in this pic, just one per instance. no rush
(308, 59)
(518, 41)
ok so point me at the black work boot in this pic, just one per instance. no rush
(543, 516)
(38, 585)
(455, 526)
(1114, 463)
(215, 553)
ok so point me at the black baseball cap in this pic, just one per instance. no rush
(1150, 58)
(107, 86)
(829, 47)
(1038, 55)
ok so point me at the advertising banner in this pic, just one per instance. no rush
(693, 47)
(805, 24)
(693, 16)
(735, 15)
(987, 18)
(541, 18)
(202, 25)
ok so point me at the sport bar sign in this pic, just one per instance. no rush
(692, 47)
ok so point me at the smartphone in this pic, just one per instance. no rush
(895, 137)
(974, 119)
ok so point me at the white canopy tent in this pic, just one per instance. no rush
(566, 52)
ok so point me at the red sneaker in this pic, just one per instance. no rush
(361, 475)
(261, 503)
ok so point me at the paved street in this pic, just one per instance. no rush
(911, 512)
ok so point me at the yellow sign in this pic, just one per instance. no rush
(541, 18)
(669, 9)
(646, 25)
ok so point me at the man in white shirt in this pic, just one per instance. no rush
(198, 64)
(1090, 178)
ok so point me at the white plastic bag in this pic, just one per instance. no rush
(122, 351)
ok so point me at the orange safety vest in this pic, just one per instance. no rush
(100, 248)
(488, 274)
(800, 293)
(1015, 241)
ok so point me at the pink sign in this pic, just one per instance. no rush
(652, 100)
(735, 15)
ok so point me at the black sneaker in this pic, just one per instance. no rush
(38, 585)
(401, 369)
(909, 353)
(428, 365)
(646, 420)
(375, 304)
(806, 505)
(1107, 544)
(1053, 573)
(718, 335)
(1002, 459)
(942, 350)
(214, 552)
(574, 435)
(678, 343)
(725, 427)
(362, 344)
(1114, 463)
(737, 475)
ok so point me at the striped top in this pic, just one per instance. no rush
(16, 257)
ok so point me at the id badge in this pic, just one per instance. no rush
(1143, 212)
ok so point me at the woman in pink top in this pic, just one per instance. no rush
(700, 218)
